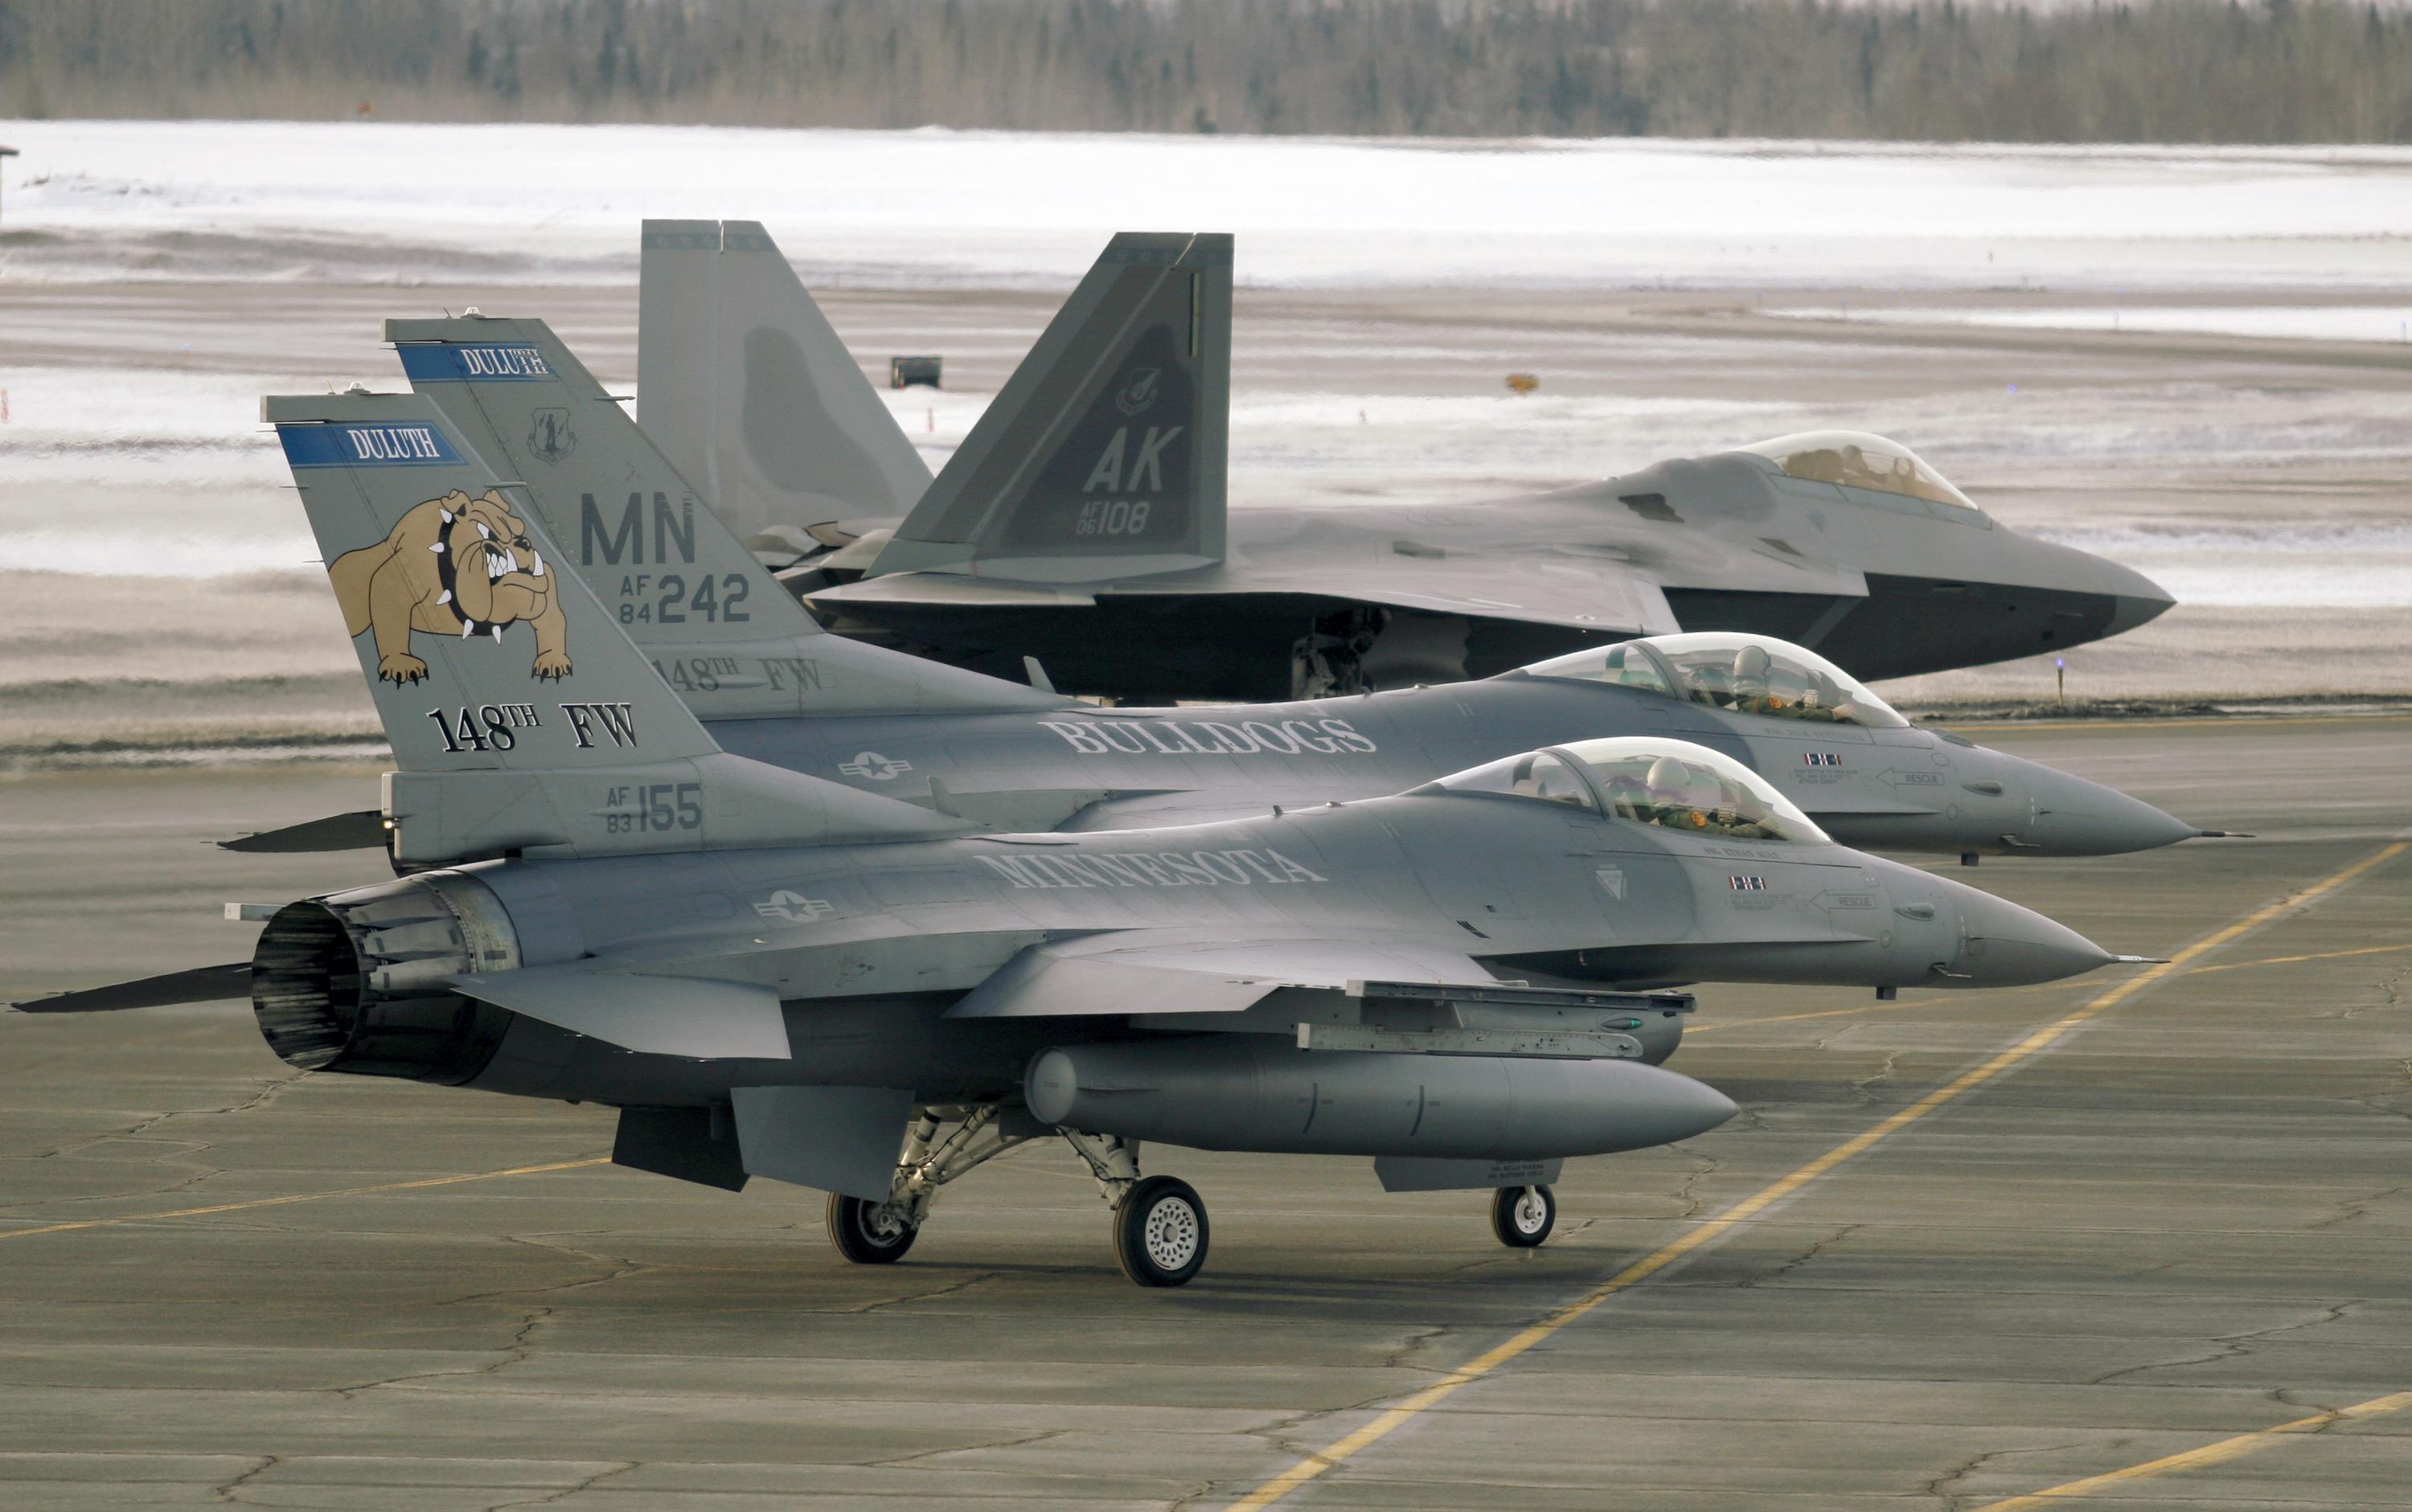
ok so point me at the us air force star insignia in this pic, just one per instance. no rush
(873, 767)
(550, 437)
(794, 907)
(1138, 392)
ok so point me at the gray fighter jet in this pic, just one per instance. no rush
(1084, 519)
(757, 668)
(771, 974)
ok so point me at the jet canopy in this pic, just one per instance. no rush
(1746, 674)
(1861, 460)
(1648, 780)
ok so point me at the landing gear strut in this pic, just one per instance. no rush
(1522, 1216)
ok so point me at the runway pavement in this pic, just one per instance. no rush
(1959, 1250)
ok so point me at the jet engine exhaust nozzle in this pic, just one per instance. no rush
(353, 981)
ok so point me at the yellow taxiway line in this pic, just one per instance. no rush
(306, 1197)
(2288, 961)
(1713, 1229)
(2210, 1454)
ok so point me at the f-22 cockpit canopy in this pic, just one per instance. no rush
(1859, 460)
(1647, 780)
(1745, 674)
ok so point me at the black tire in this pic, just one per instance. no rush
(1160, 1232)
(1519, 1224)
(863, 1235)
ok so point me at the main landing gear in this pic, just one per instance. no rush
(1522, 1216)
(1159, 1221)
(1160, 1232)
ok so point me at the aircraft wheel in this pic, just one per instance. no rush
(1160, 1232)
(1522, 1216)
(868, 1233)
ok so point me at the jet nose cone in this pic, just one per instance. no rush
(2134, 599)
(2076, 817)
(2003, 945)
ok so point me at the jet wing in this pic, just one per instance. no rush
(1139, 972)
(1578, 593)
(1584, 594)
(696, 1017)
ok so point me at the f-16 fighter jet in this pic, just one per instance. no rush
(1084, 519)
(757, 668)
(775, 975)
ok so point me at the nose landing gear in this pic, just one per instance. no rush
(1522, 1216)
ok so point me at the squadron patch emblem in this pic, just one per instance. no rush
(454, 567)
(1138, 390)
(549, 436)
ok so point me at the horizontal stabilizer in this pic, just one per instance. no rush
(695, 1018)
(362, 830)
(201, 984)
(1135, 972)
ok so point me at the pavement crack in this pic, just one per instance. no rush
(1821, 1247)
(1860, 1088)
(267, 1094)
(948, 1290)
(2224, 1351)
(1397, 1358)
(1016, 1443)
(551, 1498)
(233, 1490)
(2330, 1312)
(1686, 1194)
(1942, 1487)
(2352, 1208)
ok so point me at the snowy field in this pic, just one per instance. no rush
(2176, 358)
(546, 203)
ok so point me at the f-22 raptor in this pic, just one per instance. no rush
(775, 976)
(1083, 520)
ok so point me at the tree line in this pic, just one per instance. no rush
(2196, 71)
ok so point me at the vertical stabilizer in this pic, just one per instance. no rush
(749, 391)
(523, 718)
(1104, 455)
(714, 621)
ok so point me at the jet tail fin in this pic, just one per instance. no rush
(1104, 454)
(522, 717)
(750, 392)
(713, 620)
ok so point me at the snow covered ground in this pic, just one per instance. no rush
(2378, 320)
(402, 202)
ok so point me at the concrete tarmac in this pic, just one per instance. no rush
(2184, 1220)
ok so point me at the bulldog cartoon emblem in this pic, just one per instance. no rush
(454, 566)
